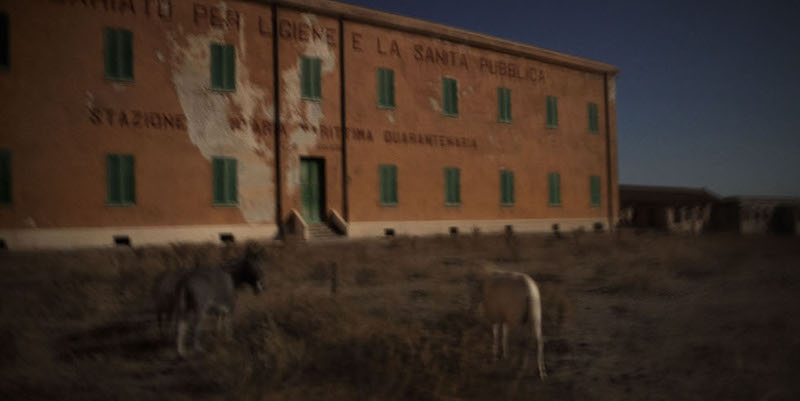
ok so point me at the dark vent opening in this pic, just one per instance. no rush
(122, 240)
(389, 232)
(509, 229)
(453, 230)
(3, 245)
(226, 238)
(598, 227)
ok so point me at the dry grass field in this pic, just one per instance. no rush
(630, 317)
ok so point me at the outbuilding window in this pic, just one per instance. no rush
(225, 181)
(385, 88)
(121, 180)
(504, 105)
(450, 96)
(452, 186)
(506, 187)
(118, 49)
(554, 189)
(388, 184)
(552, 112)
(311, 78)
(223, 67)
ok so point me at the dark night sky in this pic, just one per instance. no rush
(709, 91)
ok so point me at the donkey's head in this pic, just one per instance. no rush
(248, 272)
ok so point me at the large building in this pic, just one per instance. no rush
(154, 121)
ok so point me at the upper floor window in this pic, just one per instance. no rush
(223, 67)
(504, 105)
(118, 48)
(311, 78)
(552, 112)
(385, 88)
(450, 96)
(593, 120)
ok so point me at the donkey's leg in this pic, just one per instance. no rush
(196, 325)
(182, 326)
(504, 335)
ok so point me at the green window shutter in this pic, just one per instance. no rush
(388, 184)
(310, 78)
(385, 88)
(223, 67)
(452, 178)
(5, 176)
(113, 178)
(552, 112)
(506, 187)
(218, 167)
(504, 104)
(126, 54)
(120, 174)
(450, 96)
(225, 180)
(231, 181)
(229, 67)
(118, 53)
(594, 189)
(4, 45)
(593, 121)
(554, 189)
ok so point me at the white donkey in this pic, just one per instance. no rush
(510, 299)
(212, 290)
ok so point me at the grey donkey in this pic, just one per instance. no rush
(208, 290)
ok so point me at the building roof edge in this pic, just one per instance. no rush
(398, 22)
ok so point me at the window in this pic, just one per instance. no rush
(224, 181)
(554, 189)
(506, 187)
(385, 88)
(504, 105)
(552, 112)
(4, 62)
(118, 53)
(593, 125)
(5, 176)
(223, 67)
(452, 186)
(594, 190)
(311, 78)
(450, 96)
(388, 184)
(121, 182)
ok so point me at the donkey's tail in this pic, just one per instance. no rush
(535, 308)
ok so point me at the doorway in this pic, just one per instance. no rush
(312, 184)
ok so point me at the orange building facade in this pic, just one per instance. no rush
(156, 121)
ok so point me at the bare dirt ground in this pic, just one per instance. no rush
(630, 317)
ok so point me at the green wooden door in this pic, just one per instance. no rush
(311, 179)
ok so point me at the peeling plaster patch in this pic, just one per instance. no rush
(207, 114)
(30, 222)
(298, 112)
(390, 117)
(160, 56)
(435, 105)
